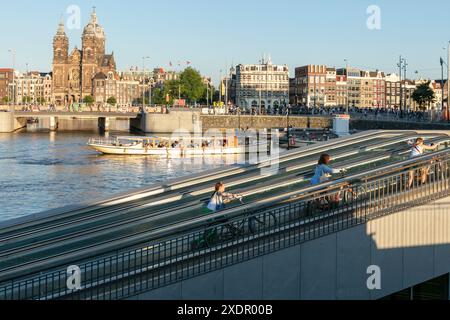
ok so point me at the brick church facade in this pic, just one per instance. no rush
(74, 72)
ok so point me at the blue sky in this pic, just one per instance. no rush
(213, 34)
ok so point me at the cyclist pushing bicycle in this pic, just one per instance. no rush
(220, 198)
(323, 173)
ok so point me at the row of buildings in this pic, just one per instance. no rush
(38, 88)
(90, 71)
(322, 86)
(268, 86)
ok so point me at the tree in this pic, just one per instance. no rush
(6, 100)
(40, 101)
(159, 96)
(89, 100)
(138, 101)
(192, 86)
(112, 101)
(26, 99)
(423, 95)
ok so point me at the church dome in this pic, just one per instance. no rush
(93, 28)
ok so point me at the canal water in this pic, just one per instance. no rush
(41, 171)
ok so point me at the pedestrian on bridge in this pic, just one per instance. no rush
(418, 149)
(324, 171)
(219, 198)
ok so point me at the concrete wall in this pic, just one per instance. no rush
(168, 123)
(410, 247)
(9, 124)
(176, 120)
(86, 124)
(264, 122)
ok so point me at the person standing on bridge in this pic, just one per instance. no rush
(324, 171)
(418, 148)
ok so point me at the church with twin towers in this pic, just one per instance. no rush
(74, 71)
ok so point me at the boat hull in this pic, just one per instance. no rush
(167, 152)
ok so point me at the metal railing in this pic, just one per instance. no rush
(202, 245)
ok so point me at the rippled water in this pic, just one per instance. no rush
(41, 171)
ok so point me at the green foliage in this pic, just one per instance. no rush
(26, 99)
(40, 101)
(6, 100)
(192, 86)
(89, 100)
(138, 101)
(424, 95)
(112, 101)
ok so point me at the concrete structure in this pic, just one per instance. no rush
(9, 123)
(329, 252)
(66, 121)
(167, 123)
(409, 247)
(263, 86)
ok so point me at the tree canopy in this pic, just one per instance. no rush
(112, 101)
(189, 86)
(89, 100)
(423, 95)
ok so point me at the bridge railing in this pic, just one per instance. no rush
(213, 242)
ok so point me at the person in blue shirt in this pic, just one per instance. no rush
(323, 170)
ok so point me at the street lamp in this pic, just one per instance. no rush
(347, 91)
(288, 109)
(143, 82)
(13, 100)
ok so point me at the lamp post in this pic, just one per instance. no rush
(150, 89)
(13, 100)
(448, 84)
(347, 91)
(143, 82)
(442, 83)
(287, 127)
(402, 66)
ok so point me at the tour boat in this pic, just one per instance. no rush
(170, 147)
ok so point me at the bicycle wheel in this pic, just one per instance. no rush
(257, 224)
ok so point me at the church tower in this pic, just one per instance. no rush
(93, 52)
(60, 60)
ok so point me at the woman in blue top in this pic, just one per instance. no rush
(323, 171)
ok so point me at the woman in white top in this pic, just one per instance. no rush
(418, 149)
(220, 198)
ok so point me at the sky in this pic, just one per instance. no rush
(215, 34)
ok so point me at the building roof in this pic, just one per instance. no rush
(107, 60)
(100, 76)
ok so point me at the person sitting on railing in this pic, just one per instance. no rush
(418, 148)
(324, 171)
